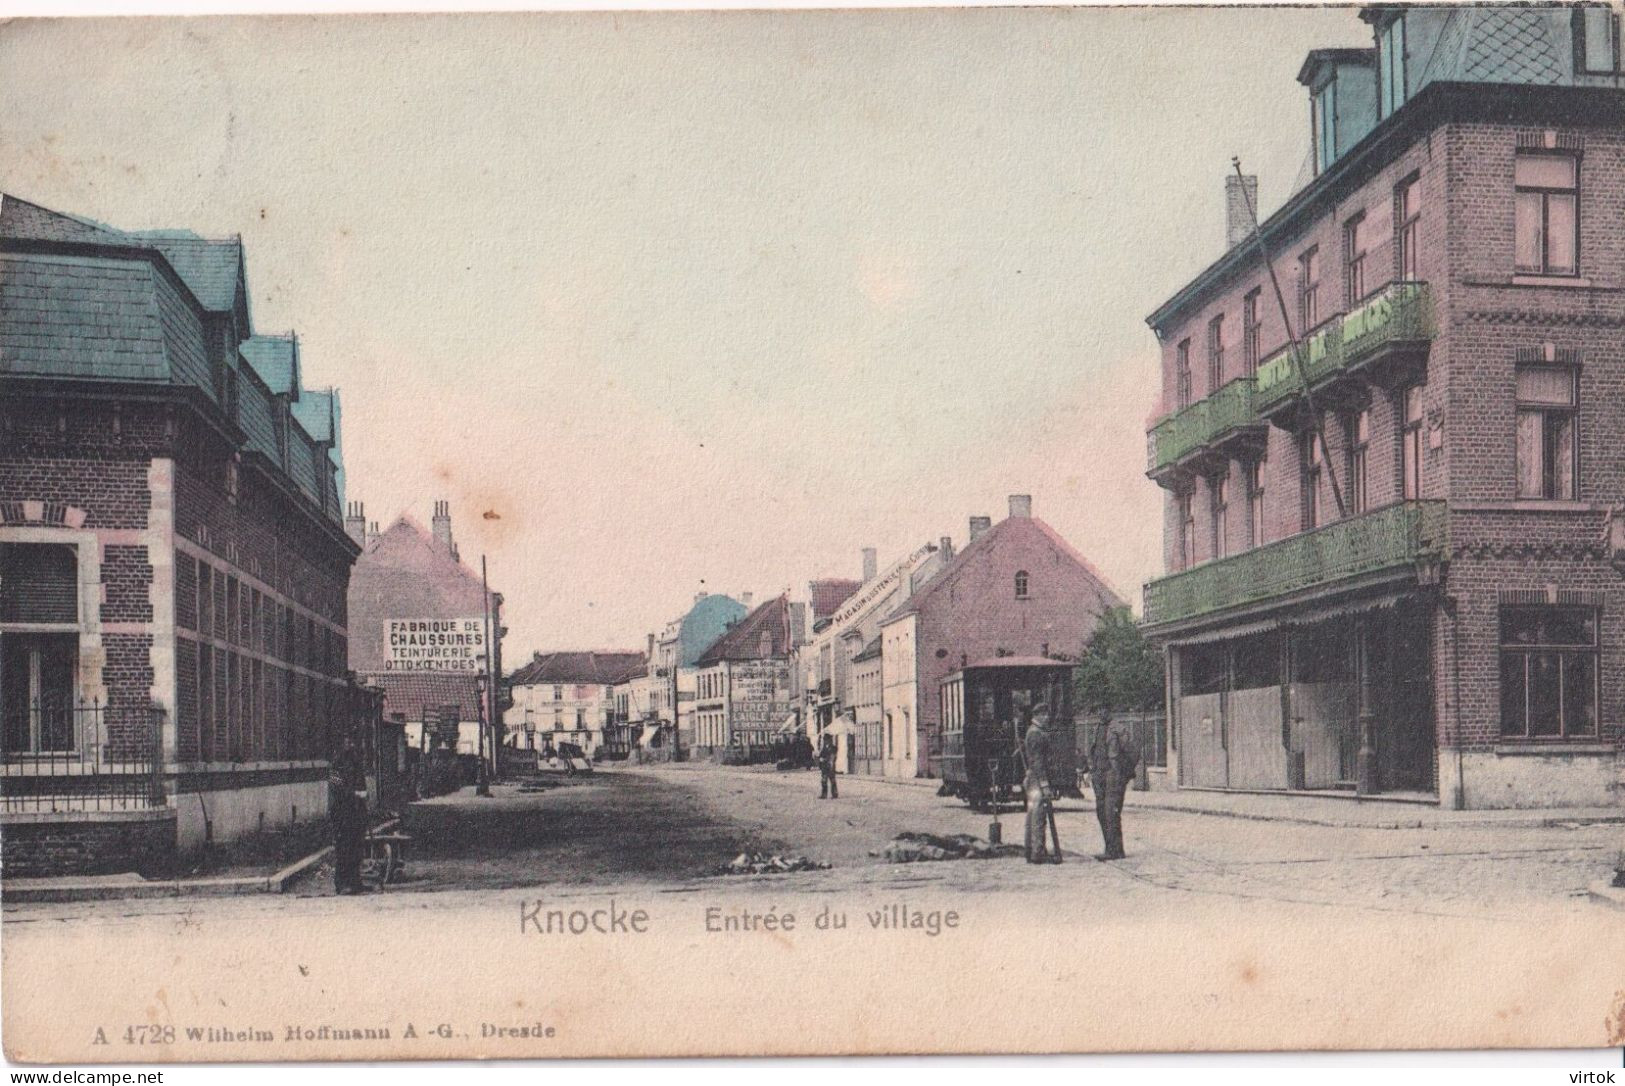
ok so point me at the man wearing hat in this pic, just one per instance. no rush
(1035, 745)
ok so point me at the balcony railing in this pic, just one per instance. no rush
(1400, 313)
(83, 757)
(1388, 538)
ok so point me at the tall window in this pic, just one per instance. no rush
(1391, 65)
(1309, 290)
(558, 693)
(1410, 444)
(1547, 214)
(1359, 432)
(1356, 243)
(1021, 584)
(1255, 501)
(1599, 44)
(1215, 354)
(1548, 672)
(1219, 500)
(1407, 230)
(1546, 408)
(39, 591)
(1182, 373)
(1313, 463)
(1325, 125)
(1187, 531)
(1250, 330)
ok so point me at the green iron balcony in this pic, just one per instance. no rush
(1390, 540)
(1205, 428)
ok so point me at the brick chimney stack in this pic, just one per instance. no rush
(747, 598)
(1021, 505)
(1238, 221)
(979, 525)
(442, 527)
(355, 523)
(871, 564)
(946, 546)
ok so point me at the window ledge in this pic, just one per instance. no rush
(1565, 747)
(1574, 281)
(1528, 505)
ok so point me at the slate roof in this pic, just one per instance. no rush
(828, 594)
(1502, 44)
(419, 693)
(89, 317)
(763, 634)
(587, 668)
(870, 651)
(275, 359)
(23, 220)
(210, 267)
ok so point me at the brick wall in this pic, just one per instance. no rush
(42, 849)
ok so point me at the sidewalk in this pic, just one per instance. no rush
(1340, 810)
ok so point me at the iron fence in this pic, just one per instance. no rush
(87, 757)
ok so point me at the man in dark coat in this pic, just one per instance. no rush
(1112, 762)
(1036, 749)
(347, 814)
(827, 788)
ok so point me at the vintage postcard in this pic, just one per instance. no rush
(668, 533)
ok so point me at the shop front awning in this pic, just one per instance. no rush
(1307, 616)
(791, 725)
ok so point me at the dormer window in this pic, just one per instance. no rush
(1393, 90)
(1597, 40)
(1325, 125)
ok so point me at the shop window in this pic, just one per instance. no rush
(1322, 654)
(1203, 670)
(1548, 672)
(1546, 413)
(1257, 662)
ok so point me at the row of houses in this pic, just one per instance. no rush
(863, 659)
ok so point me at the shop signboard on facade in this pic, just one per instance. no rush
(434, 644)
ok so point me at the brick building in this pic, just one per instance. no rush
(1016, 589)
(418, 620)
(1394, 556)
(173, 564)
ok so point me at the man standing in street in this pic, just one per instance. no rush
(347, 813)
(1112, 761)
(1035, 745)
(826, 768)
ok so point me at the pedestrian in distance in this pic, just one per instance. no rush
(347, 815)
(1113, 758)
(1036, 751)
(827, 787)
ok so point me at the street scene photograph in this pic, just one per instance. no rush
(812, 533)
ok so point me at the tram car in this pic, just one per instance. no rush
(986, 707)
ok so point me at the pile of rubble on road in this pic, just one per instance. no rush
(907, 848)
(763, 863)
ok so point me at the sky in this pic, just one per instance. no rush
(670, 302)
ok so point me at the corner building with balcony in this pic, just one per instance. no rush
(1424, 595)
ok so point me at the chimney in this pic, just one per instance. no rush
(1238, 220)
(748, 599)
(871, 564)
(651, 650)
(1021, 505)
(442, 526)
(372, 533)
(945, 546)
(355, 523)
(798, 624)
(978, 525)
